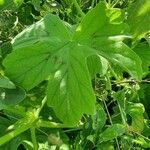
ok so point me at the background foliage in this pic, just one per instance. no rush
(74, 74)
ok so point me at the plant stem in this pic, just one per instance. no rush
(92, 4)
(122, 115)
(42, 105)
(131, 81)
(78, 8)
(33, 137)
(7, 137)
(49, 124)
(111, 122)
(115, 3)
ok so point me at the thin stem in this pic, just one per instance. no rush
(111, 122)
(115, 3)
(122, 114)
(33, 137)
(70, 130)
(78, 8)
(42, 132)
(49, 124)
(42, 105)
(108, 112)
(131, 81)
(142, 136)
(92, 4)
(113, 73)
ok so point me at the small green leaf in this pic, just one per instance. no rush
(6, 83)
(136, 112)
(10, 97)
(99, 119)
(105, 145)
(112, 132)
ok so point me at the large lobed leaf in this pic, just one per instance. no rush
(40, 52)
(49, 49)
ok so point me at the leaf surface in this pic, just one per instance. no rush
(39, 55)
(69, 91)
(105, 34)
(112, 132)
(139, 18)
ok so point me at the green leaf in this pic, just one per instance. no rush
(44, 51)
(136, 112)
(1, 2)
(108, 23)
(37, 60)
(112, 132)
(143, 50)
(105, 34)
(50, 50)
(138, 18)
(69, 89)
(97, 64)
(18, 2)
(105, 145)
(45, 29)
(99, 119)
(92, 23)
(144, 96)
(10, 97)
(6, 83)
(119, 53)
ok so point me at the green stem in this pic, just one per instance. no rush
(122, 115)
(92, 4)
(33, 137)
(19, 127)
(110, 122)
(115, 3)
(7, 137)
(78, 8)
(40, 108)
(49, 124)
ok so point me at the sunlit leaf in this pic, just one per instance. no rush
(138, 18)
(136, 112)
